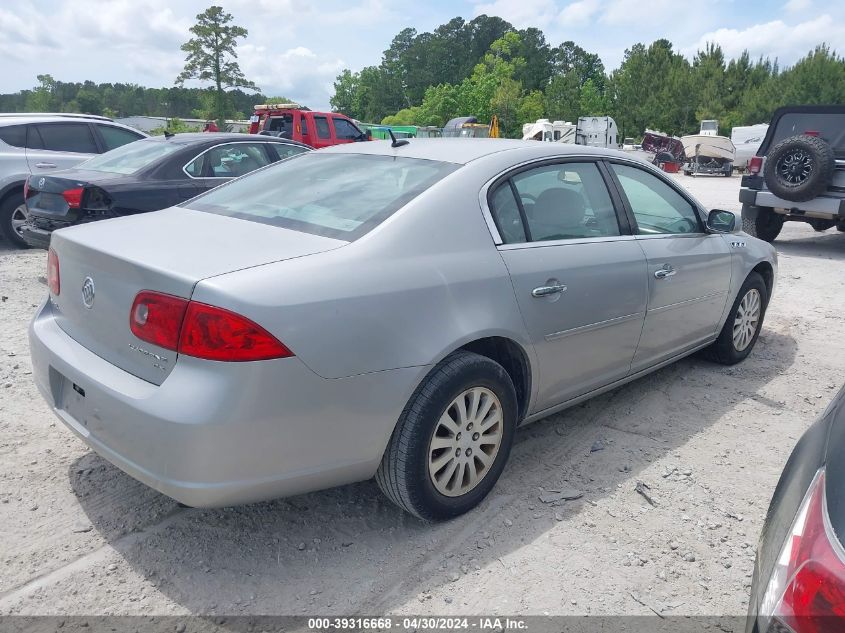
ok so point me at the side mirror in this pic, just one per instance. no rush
(720, 221)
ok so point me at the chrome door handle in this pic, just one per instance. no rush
(45, 165)
(545, 291)
(666, 271)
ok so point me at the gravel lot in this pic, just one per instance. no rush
(80, 537)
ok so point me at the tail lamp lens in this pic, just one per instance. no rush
(53, 277)
(201, 330)
(157, 318)
(807, 589)
(755, 165)
(73, 197)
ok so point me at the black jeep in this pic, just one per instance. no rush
(798, 173)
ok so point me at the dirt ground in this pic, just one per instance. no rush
(77, 536)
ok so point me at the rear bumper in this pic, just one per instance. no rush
(833, 208)
(216, 434)
(35, 237)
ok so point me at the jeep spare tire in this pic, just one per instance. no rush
(799, 168)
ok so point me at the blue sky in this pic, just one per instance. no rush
(296, 47)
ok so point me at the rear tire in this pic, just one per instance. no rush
(432, 434)
(821, 225)
(761, 222)
(743, 325)
(799, 168)
(12, 214)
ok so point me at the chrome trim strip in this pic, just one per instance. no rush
(687, 302)
(592, 326)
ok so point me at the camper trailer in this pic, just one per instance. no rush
(747, 140)
(550, 132)
(597, 131)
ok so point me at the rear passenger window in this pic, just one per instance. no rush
(506, 214)
(562, 201)
(114, 137)
(286, 151)
(322, 125)
(14, 135)
(67, 137)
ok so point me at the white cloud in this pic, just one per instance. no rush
(520, 13)
(795, 6)
(776, 38)
(579, 12)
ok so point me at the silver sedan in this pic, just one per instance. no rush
(379, 310)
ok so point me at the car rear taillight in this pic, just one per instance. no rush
(157, 318)
(73, 197)
(53, 279)
(217, 334)
(811, 133)
(807, 588)
(755, 165)
(201, 330)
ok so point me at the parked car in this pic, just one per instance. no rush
(317, 129)
(383, 310)
(798, 174)
(39, 144)
(799, 575)
(147, 175)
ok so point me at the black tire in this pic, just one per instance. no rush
(403, 474)
(7, 210)
(761, 222)
(723, 350)
(799, 168)
(841, 227)
(821, 225)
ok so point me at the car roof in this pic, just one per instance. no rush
(464, 150)
(20, 118)
(210, 138)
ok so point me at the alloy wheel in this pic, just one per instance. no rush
(746, 320)
(465, 442)
(795, 167)
(19, 217)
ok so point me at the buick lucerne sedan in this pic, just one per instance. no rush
(388, 310)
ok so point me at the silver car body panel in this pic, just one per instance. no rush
(367, 321)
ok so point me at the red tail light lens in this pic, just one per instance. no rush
(755, 165)
(73, 197)
(53, 278)
(217, 334)
(201, 330)
(157, 318)
(807, 589)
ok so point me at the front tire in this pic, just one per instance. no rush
(452, 440)
(745, 320)
(761, 222)
(13, 216)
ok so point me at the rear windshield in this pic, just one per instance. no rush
(129, 158)
(342, 196)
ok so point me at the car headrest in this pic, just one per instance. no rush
(559, 207)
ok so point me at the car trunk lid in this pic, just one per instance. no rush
(103, 266)
(45, 194)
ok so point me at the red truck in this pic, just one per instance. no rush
(317, 129)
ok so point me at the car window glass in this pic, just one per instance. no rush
(14, 135)
(656, 206)
(345, 130)
(322, 126)
(234, 159)
(303, 122)
(286, 151)
(68, 137)
(506, 214)
(115, 137)
(341, 196)
(566, 201)
(132, 157)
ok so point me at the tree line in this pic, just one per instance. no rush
(486, 67)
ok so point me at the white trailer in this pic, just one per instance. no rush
(548, 131)
(747, 140)
(597, 131)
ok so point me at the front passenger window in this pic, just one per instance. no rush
(656, 206)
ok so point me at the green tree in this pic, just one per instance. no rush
(212, 56)
(42, 98)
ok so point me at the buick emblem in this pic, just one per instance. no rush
(41, 183)
(88, 292)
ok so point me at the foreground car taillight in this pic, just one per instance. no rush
(200, 330)
(807, 589)
(755, 165)
(53, 279)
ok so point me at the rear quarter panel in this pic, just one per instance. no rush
(425, 282)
